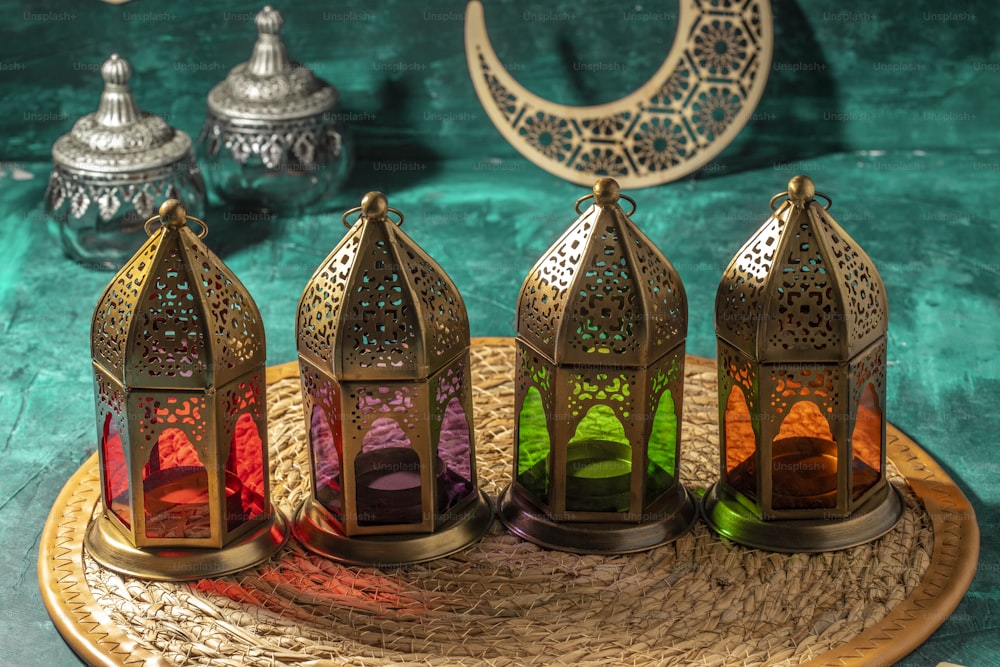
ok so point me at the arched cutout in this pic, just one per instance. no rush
(740, 443)
(804, 460)
(662, 450)
(244, 473)
(117, 495)
(387, 476)
(599, 464)
(326, 455)
(533, 446)
(866, 443)
(175, 489)
(455, 451)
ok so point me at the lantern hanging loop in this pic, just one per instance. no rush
(801, 190)
(374, 206)
(173, 214)
(606, 192)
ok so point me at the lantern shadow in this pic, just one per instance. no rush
(392, 158)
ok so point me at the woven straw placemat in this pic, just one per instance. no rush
(503, 601)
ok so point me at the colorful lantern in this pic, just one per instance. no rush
(601, 322)
(178, 349)
(383, 340)
(801, 318)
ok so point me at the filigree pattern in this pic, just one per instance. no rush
(80, 195)
(703, 93)
(298, 145)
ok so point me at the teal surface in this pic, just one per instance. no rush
(892, 110)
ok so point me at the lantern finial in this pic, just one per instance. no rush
(374, 206)
(173, 214)
(606, 191)
(801, 190)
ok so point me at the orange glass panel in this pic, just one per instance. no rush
(116, 491)
(804, 461)
(244, 473)
(175, 489)
(866, 443)
(740, 444)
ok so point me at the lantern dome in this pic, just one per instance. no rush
(189, 324)
(379, 304)
(801, 289)
(603, 288)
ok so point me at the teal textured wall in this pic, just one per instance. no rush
(845, 76)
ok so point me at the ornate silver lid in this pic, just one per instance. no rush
(118, 137)
(270, 86)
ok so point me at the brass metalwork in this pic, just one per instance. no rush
(178, 354)
(601, 322)
(801, 318)
(675, 123)
(383, 341)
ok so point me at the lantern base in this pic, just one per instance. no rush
(318, 533)
(731, 519)
(108, 546)
(526, 520)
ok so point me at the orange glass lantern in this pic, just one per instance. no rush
(383, 340)
(178, 349)
(801, 318)
(601, 323)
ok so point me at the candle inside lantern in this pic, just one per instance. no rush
(804, 472)
(598, 476)
(177, 501)
(388, 486)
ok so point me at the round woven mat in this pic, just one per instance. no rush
(503, 601)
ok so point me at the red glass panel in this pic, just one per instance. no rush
(116, 491)
(866, 442)
(175, 489)
(245, 473)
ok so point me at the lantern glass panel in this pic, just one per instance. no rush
(175, 489)
(455, 451)
(740, 444)
(245, 464)
(534, 446)
(804, 460)
(599, 463)
(662, 449)
(387, 476)
(117, 495)
(326, 458)
(866, 443)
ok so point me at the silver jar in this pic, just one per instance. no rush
(112, 171)
(272, 137)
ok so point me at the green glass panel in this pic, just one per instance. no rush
(662, 449)
(533, 446)
(598, 464)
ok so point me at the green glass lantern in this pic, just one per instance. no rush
(601, 322)
(801, 319)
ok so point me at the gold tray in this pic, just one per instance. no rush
(504, 601)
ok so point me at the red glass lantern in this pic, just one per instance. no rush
(178, 349)
(601, 323)
(383, 340)
(801, 317)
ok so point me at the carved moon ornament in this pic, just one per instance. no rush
(686, 114)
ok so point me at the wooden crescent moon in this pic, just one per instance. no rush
(686, 114)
